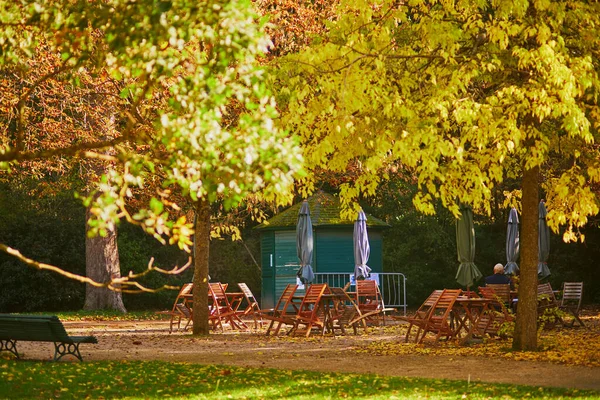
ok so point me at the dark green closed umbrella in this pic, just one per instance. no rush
(543, 242)
(468, 272)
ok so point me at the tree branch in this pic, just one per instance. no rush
(16, 155)
(122, 284)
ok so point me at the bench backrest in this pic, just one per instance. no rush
(33, 328)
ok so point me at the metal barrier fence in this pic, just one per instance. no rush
(391, 284)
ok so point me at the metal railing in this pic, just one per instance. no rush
(391, 284)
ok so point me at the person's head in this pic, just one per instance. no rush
(498, 269)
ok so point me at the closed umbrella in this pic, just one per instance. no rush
(361, 247)
(304, 244)
(543, 242)
(512, 243)
(468, 272)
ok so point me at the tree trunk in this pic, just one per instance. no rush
(201, 247)
(525, 336)
(102, 264)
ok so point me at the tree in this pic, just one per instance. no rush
(60, 113)
(464, 95)
(177, 67)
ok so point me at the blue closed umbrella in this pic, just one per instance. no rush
(512, 243)
(304, 244)
(543, 242)
(361, 247)
(468, 272)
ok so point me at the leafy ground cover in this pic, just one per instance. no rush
(560, 345)
(142, 379)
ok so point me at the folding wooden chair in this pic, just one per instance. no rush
(280, 314)
(182, 309)
(419, 318)
(369, 300)
(499, 294)
(547, 306)
(501, 290)
(252, 307)
(571, 301)
(346, 313)
(221, 310)
(308, 312)
(438, 321)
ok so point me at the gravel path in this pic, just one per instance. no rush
(150, 340)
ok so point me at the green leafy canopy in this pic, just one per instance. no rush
(459, 93)
(195, 109)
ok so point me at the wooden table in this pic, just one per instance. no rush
(468, 313)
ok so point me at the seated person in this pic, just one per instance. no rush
(498, 277)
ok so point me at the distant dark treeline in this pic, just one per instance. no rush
(421, 247)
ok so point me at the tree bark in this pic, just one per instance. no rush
(201, 247)
(102, 264)
(525, 335)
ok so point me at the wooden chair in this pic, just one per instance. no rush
(346, 286)
(499, 294)
(280, 314)
(438, 321)
(221, 310)
(369, 300)
(547, 306)
(501, 290)
(252, 307)
(309, 309)
(571, 301)
(420, 317)
(182, 309)
(346, 313)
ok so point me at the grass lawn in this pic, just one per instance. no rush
(148, 380)
(105, 315)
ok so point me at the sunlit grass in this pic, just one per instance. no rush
(106, 315)
(138, 379)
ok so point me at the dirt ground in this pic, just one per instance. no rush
(151, 340)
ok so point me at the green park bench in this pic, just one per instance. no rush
(39, 328)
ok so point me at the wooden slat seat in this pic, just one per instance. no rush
(252, 307)
(547, 306)
(501, 290)
(308, 311)
(39, 328)
(369, 300)
(499, 294)
(571, 302)
(438, 321)
(282, 312)
(419, 318)
(222, 311)
(182, 308)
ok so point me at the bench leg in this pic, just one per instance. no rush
(9, 345)
(63, 349)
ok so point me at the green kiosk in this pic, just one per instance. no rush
(333, 246)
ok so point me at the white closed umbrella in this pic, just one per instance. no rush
(361, 247)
